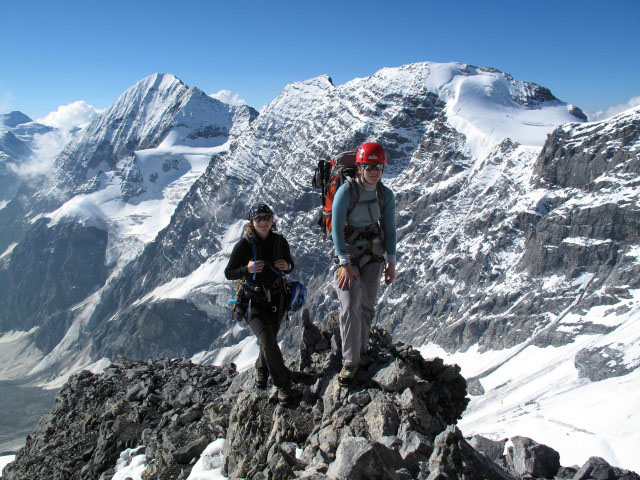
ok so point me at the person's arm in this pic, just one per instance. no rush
(285, 264)
(389, 219)
(236, 267)
(288, 257)
(390, 237)
(338, 220)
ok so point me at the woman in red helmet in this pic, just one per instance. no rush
(364, 236)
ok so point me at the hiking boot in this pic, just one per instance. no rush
(285, 396)
(262, 377)
(346, 375)
(365, 359)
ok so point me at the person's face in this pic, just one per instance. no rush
(262, 224)
(372, 173)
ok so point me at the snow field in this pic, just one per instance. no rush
(538, 393)
(130, 465)
(4, 461)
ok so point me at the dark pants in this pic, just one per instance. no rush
(264, 320)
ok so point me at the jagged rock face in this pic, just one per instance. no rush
(15, 220)
(55, 268)
(601, 363)
(398, 404)
(164, 405)
(581, 223)
(592, 156)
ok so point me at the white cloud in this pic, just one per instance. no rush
(46, 147)
(227, 96)
(614, 110)
(68, 117)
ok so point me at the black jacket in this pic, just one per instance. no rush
(275, 247)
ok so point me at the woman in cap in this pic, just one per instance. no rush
(260, 259)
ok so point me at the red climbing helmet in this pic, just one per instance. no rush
(371, 152)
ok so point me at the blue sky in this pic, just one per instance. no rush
(55, 53)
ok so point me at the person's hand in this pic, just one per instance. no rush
(347, 276)
(256, 267)
(390, 273)
(281, 264)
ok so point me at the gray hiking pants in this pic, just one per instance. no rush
(357, 310)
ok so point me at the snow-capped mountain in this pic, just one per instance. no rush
(116, 185)
(517, 228)
(157, 107)
(155, 133)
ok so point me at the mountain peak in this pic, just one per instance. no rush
(140, 119)
(160, 81)
(13, 119)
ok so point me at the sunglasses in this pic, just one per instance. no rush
(262, 218)
(372, 166)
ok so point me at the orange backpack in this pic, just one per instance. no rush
(329, 176)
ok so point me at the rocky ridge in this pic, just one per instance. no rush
(397, 421)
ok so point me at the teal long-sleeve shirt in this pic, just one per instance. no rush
(360, 217)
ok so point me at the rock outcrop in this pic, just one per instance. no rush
(397, 421)
(390, 416)
(165, 405)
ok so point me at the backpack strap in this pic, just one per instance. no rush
(354, 194)
(250, 237)
(380, 194)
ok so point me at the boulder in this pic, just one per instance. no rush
(359, 459)
(191, 450)
(416, 448)
(528, 458)
(595, 468)
(453, 458)
(493, 449)
(394, 377)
